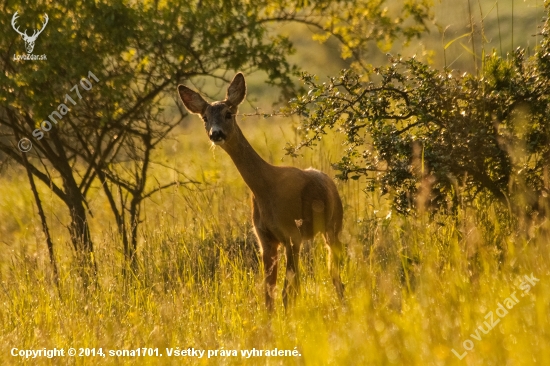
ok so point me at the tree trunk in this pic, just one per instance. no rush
(42, 215)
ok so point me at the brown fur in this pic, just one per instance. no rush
(289, 204)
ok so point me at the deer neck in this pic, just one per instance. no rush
(255, 171)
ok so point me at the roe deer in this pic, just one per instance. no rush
(289, 204)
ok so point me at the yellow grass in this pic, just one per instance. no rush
(416, 287)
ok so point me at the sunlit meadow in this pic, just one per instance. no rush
(420, 290)
(417, 288)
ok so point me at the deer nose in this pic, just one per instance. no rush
(216, 135)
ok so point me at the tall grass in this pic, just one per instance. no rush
(416, 287)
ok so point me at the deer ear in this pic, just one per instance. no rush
(236, 91)
(192, 100)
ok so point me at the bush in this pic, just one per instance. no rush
(435, 139)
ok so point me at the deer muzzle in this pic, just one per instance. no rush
(217, 136)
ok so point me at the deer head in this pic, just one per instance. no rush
(219, 117)
(29, 41)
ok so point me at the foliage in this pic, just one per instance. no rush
(357, 24)
(139, 53)
(436, 138)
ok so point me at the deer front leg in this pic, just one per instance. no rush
(292, 278)
(270, 259)
(268, 246)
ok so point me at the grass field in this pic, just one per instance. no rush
(417, 288)
(420, 290)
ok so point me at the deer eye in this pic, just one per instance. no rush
(228, 115)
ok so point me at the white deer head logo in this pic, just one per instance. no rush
(29, 41)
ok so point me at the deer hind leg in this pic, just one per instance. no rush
(335, 261)
(292, 278)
